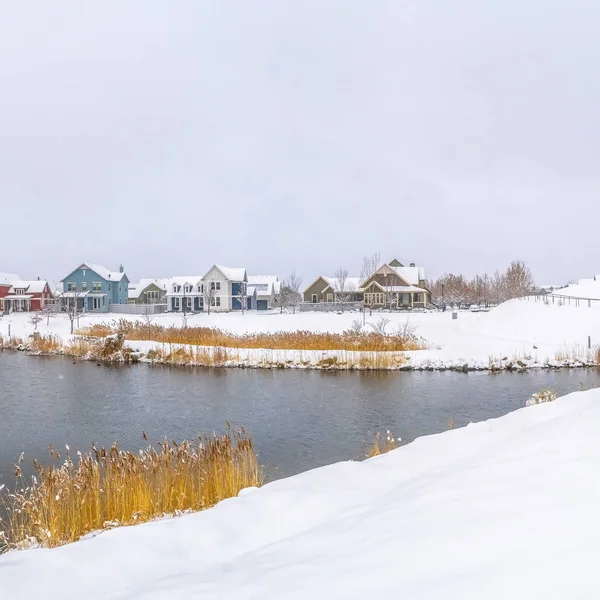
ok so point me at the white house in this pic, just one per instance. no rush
(267, 289)
(185, 294)
(227, 288)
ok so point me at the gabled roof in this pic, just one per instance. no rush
(352, 284)
(183, 280)
(8, 278)
(100, 270)
(409, 274)
(136, 289)
(230, 273)
(395, 263)
(31, 287)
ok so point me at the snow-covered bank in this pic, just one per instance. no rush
(498, 509)
(518, 334)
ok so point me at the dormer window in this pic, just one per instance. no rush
(19, 291)
(200, 288)
(187, 289)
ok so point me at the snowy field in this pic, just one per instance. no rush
(529, 331)
(505, 508)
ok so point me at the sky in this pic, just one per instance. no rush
(279, 135)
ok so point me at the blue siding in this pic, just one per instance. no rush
(84, 278)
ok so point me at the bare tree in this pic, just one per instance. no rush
(518, 280)
(210, 292)
(34, 319)
(370, 265)
(242, 296)
(50, 309)
(290, 291)
(148, 316)
(70, 305)
(341, 287)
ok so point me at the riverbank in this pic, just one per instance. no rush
(517, 335)
(502, 505)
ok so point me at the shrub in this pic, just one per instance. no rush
(540, 397)
(380, 446)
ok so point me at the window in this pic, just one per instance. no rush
(215, 285)
(417, 298)
(176, 289)
(97, 286)
(329, 297)
(71, 286)
(19, 291)
(175, 303)
(84, 286)
(215, 301)
(83, 270)
(96, 303)
(187, 303)
(315, 299)
(200, 288)
(152, 296)
(119, 287)
(187, 289)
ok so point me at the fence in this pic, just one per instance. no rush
(138, 309)
(329, 306)
(561, 300)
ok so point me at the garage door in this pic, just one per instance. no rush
(261, 305)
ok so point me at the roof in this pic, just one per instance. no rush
(33, 287)
(182, 280)
(135, 289)
(250, 290)
(352, 284)
(409, 274)
(8, 278)
(252, 279)
(100, 270)
(232, 273)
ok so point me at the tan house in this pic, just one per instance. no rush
(148, 291)
(331, 289)
(396, 286)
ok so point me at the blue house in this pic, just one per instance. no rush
(94, 288)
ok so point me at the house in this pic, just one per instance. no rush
(332, 289)
(267, 288)
(227, 288)
(185, 294)
(27, 296)
(94, 288)
(6, 281)
(396, 286)
(148, 291)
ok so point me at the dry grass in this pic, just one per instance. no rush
(297, 340)
(381, 446)
(109, 487)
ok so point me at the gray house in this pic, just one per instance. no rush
(148, 291)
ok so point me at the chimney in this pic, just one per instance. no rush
(38, 278)
(120, 268)
(412, 264)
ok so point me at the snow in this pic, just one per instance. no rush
(584, 288)
(505, 508)
(351, 284)
(409, 274)
(135, 289)
(530, 331)
(31, 287)
(105, 273)
(232, 273)
(8, 278)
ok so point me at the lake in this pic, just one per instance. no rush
(298, 419)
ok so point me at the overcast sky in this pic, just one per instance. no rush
(274, 135)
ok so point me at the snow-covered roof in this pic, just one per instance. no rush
(105, 273)
(250, 290)
(32, 287)
(352, 284)
(409, 274)
(403, 289)
(8, 278)
(183, 280)
(252, 279)
(233, 273)
(135, 289)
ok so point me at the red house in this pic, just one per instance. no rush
(25, 296)
(6, 281)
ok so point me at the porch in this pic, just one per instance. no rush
(20, 303)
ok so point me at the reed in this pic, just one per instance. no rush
(282, 340)
(108, 487)
(381, 445)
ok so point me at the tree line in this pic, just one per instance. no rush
(483, 289)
